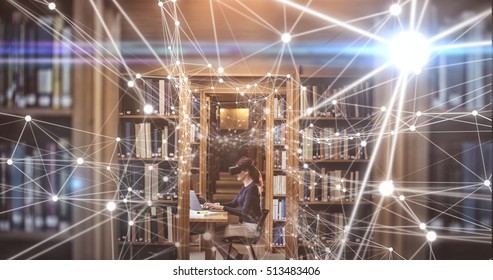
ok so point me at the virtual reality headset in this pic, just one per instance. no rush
(233, 170)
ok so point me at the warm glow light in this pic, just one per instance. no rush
(111, 206)
(138, 76)
(402, 198)
(386, 188)
(177, 23)
(51, 6)
(220, 70)
(130, 83)
(286, 38)
(364, 143)
(410, 51)
(391, 249)
(395, 9)
(160, 3)
(148, 109)
(209, 65)
(431, 236)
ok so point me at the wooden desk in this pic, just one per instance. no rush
(211, 220)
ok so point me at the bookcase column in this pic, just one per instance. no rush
(95, 95)
(292, 135)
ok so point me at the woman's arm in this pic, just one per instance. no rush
(247, 212)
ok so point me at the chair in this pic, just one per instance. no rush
(249, 241)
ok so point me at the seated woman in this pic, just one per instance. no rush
(246, 205)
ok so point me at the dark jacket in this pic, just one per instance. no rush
(246, 204)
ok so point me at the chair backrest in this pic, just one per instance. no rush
(261, 223)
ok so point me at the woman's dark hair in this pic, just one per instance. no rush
(246, 163)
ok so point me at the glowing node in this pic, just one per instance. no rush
(338, 186)
(174, 1)
(269, 74)
(209, 65)
(221, 80)
(412, 128)
(160, 3)
(220, 70)
(129, 189)
(118, 139)
(300, 151)
(487, 183)
(392, 132)
(474, 113)
(305, 166)
(130, 223)
(386, 188)
(111, 206)
(177, 23)
(311, 125)
(418, 113)
(125, 200)
(138, 76)
(309, 111)
(383, 108)
(402, 198)
(177, 244)
(358, 134)
(334, 102)
(391, 249)
(130, 83)
(108, 168)
(242, 93)
(10, 161)
(54, 198)
(150, 168)
(165, 179)
(364, 143)
(286, 38)
(148, 109)
(51, 6)
(28, 118)
(80, 161)
(149, 203)
(422, 226)
(177, 62)
(395, 9)
(207, 236)
(288, 76)
(410, 51)
(337, 133)
(431, 236)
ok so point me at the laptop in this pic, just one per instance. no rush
(196, 208)
(194, 202)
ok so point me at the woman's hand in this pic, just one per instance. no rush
(213, 206)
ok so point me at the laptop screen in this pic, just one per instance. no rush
(194, 202)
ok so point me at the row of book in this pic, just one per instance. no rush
(29, 184)
(150, 225)
(280, 159)
(320, 229)
(279, 209)
(328, 144)
(317, 101)
(160, 94)
(148, 182)
(278, 234)
(279, 185)
(148, 140)
(279, 107)
(38, 67)
(280, 134)
(329, 186)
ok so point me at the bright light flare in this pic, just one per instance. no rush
(386, 188)
(410, 51)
